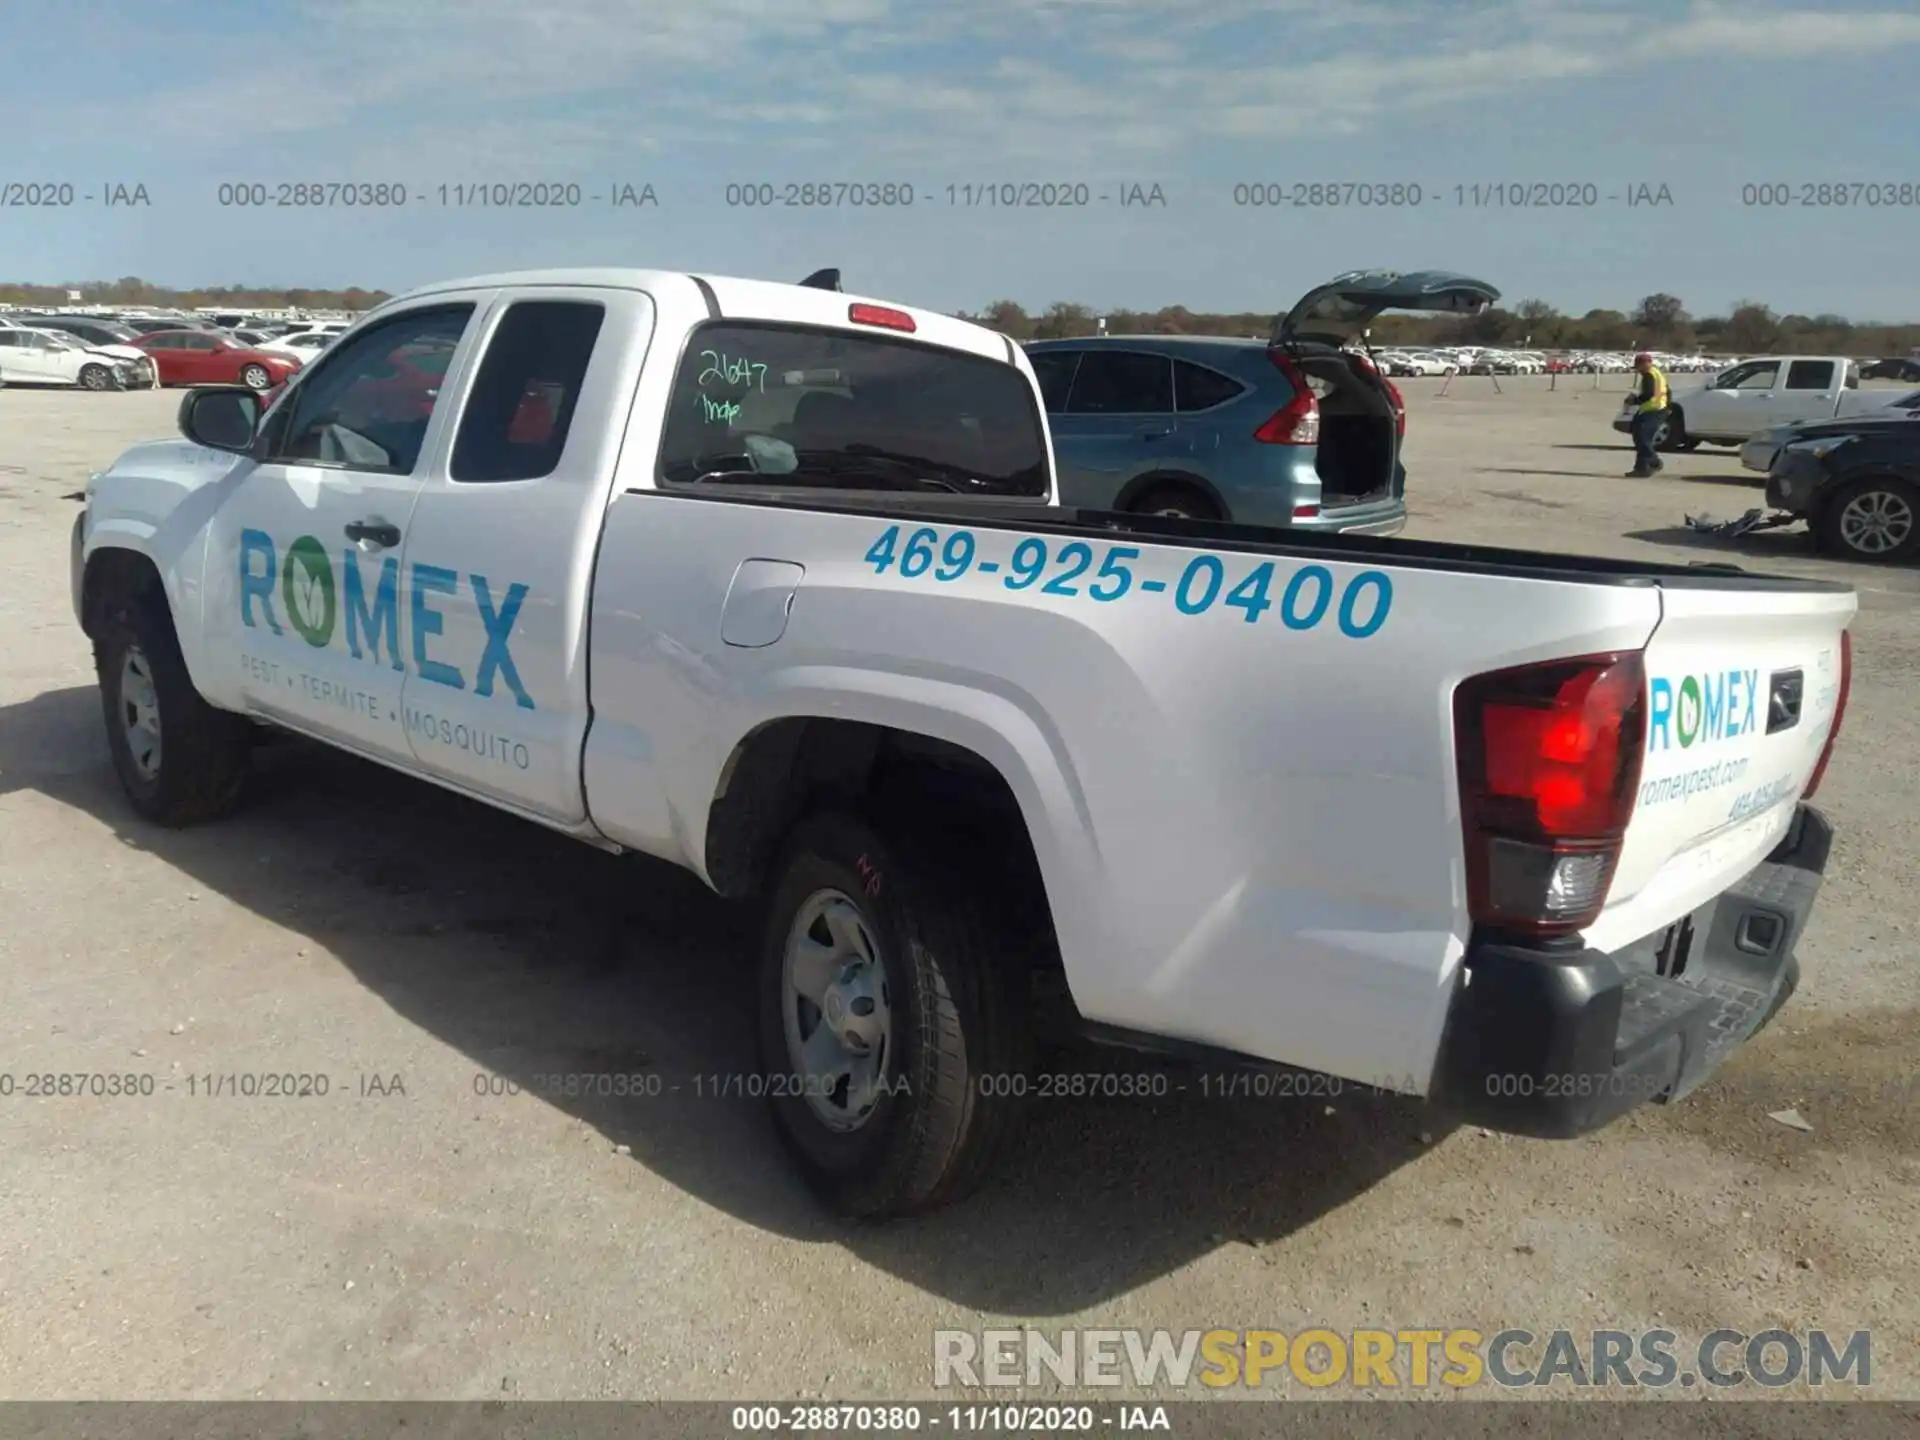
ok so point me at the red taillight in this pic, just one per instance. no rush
(1839, 714)
(1549, 760)
(882, 316)
(1298, 421)
(1305, 512)
(1395, 399)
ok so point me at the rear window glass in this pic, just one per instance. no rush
(1195, 387)
(1122, 382)
(798, 405)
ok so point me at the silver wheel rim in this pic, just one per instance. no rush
(140, 713)
(93, 378)
(834, 1007)
(255, 376)
(1875, 522)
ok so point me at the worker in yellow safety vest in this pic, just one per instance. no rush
(1650, 401)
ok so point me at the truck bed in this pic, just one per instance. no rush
(1398, 551)
(1247, 819)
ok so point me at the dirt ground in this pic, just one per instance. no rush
(408, 1236)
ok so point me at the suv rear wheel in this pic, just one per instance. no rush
(1176, 499)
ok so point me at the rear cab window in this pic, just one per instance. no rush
(520, 410)
(783, 405)
(1810, 374)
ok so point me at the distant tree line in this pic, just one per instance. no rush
(1658, 322)
(134, 291)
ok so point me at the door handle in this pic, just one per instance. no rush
(1151, 434)
(377, 533)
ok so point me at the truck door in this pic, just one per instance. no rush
(1739, 402)
(1811, 392)
(305, 582)
(502, 546)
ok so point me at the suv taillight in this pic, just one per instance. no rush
(1839, 714)
(1549, 761)
(1395, 399)
(1298, 421)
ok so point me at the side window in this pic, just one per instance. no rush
(516, 421)
(363, 407)
(1810, 375)
(1054, 370)
(1195, 387)
(1756, 377)
(9, 338)
(1121, 382)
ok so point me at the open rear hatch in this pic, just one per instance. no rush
(1361, 418)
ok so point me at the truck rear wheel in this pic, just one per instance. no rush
(179, 760)
(894, 1037)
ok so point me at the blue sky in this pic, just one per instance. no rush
(1194, 96)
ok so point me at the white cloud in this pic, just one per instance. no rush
(516, 85)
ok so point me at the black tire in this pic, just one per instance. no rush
(1836, 529)
(256, 377)
(202, 765)
(1672, 435)
(961, 1028)
(1176, 499)
(95, 377)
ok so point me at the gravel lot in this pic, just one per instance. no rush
(439, 1243)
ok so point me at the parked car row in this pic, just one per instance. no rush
(33, 356)
(1403, 361)
(30, 356)
(96, 352)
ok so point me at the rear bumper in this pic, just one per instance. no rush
(1558, 1044)
(1758, 455)
(1383, 519)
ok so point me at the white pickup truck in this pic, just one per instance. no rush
(767, 580)
(1761, 394)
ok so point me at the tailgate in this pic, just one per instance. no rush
(1742, 688)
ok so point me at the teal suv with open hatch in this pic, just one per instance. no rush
(1292, 430)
